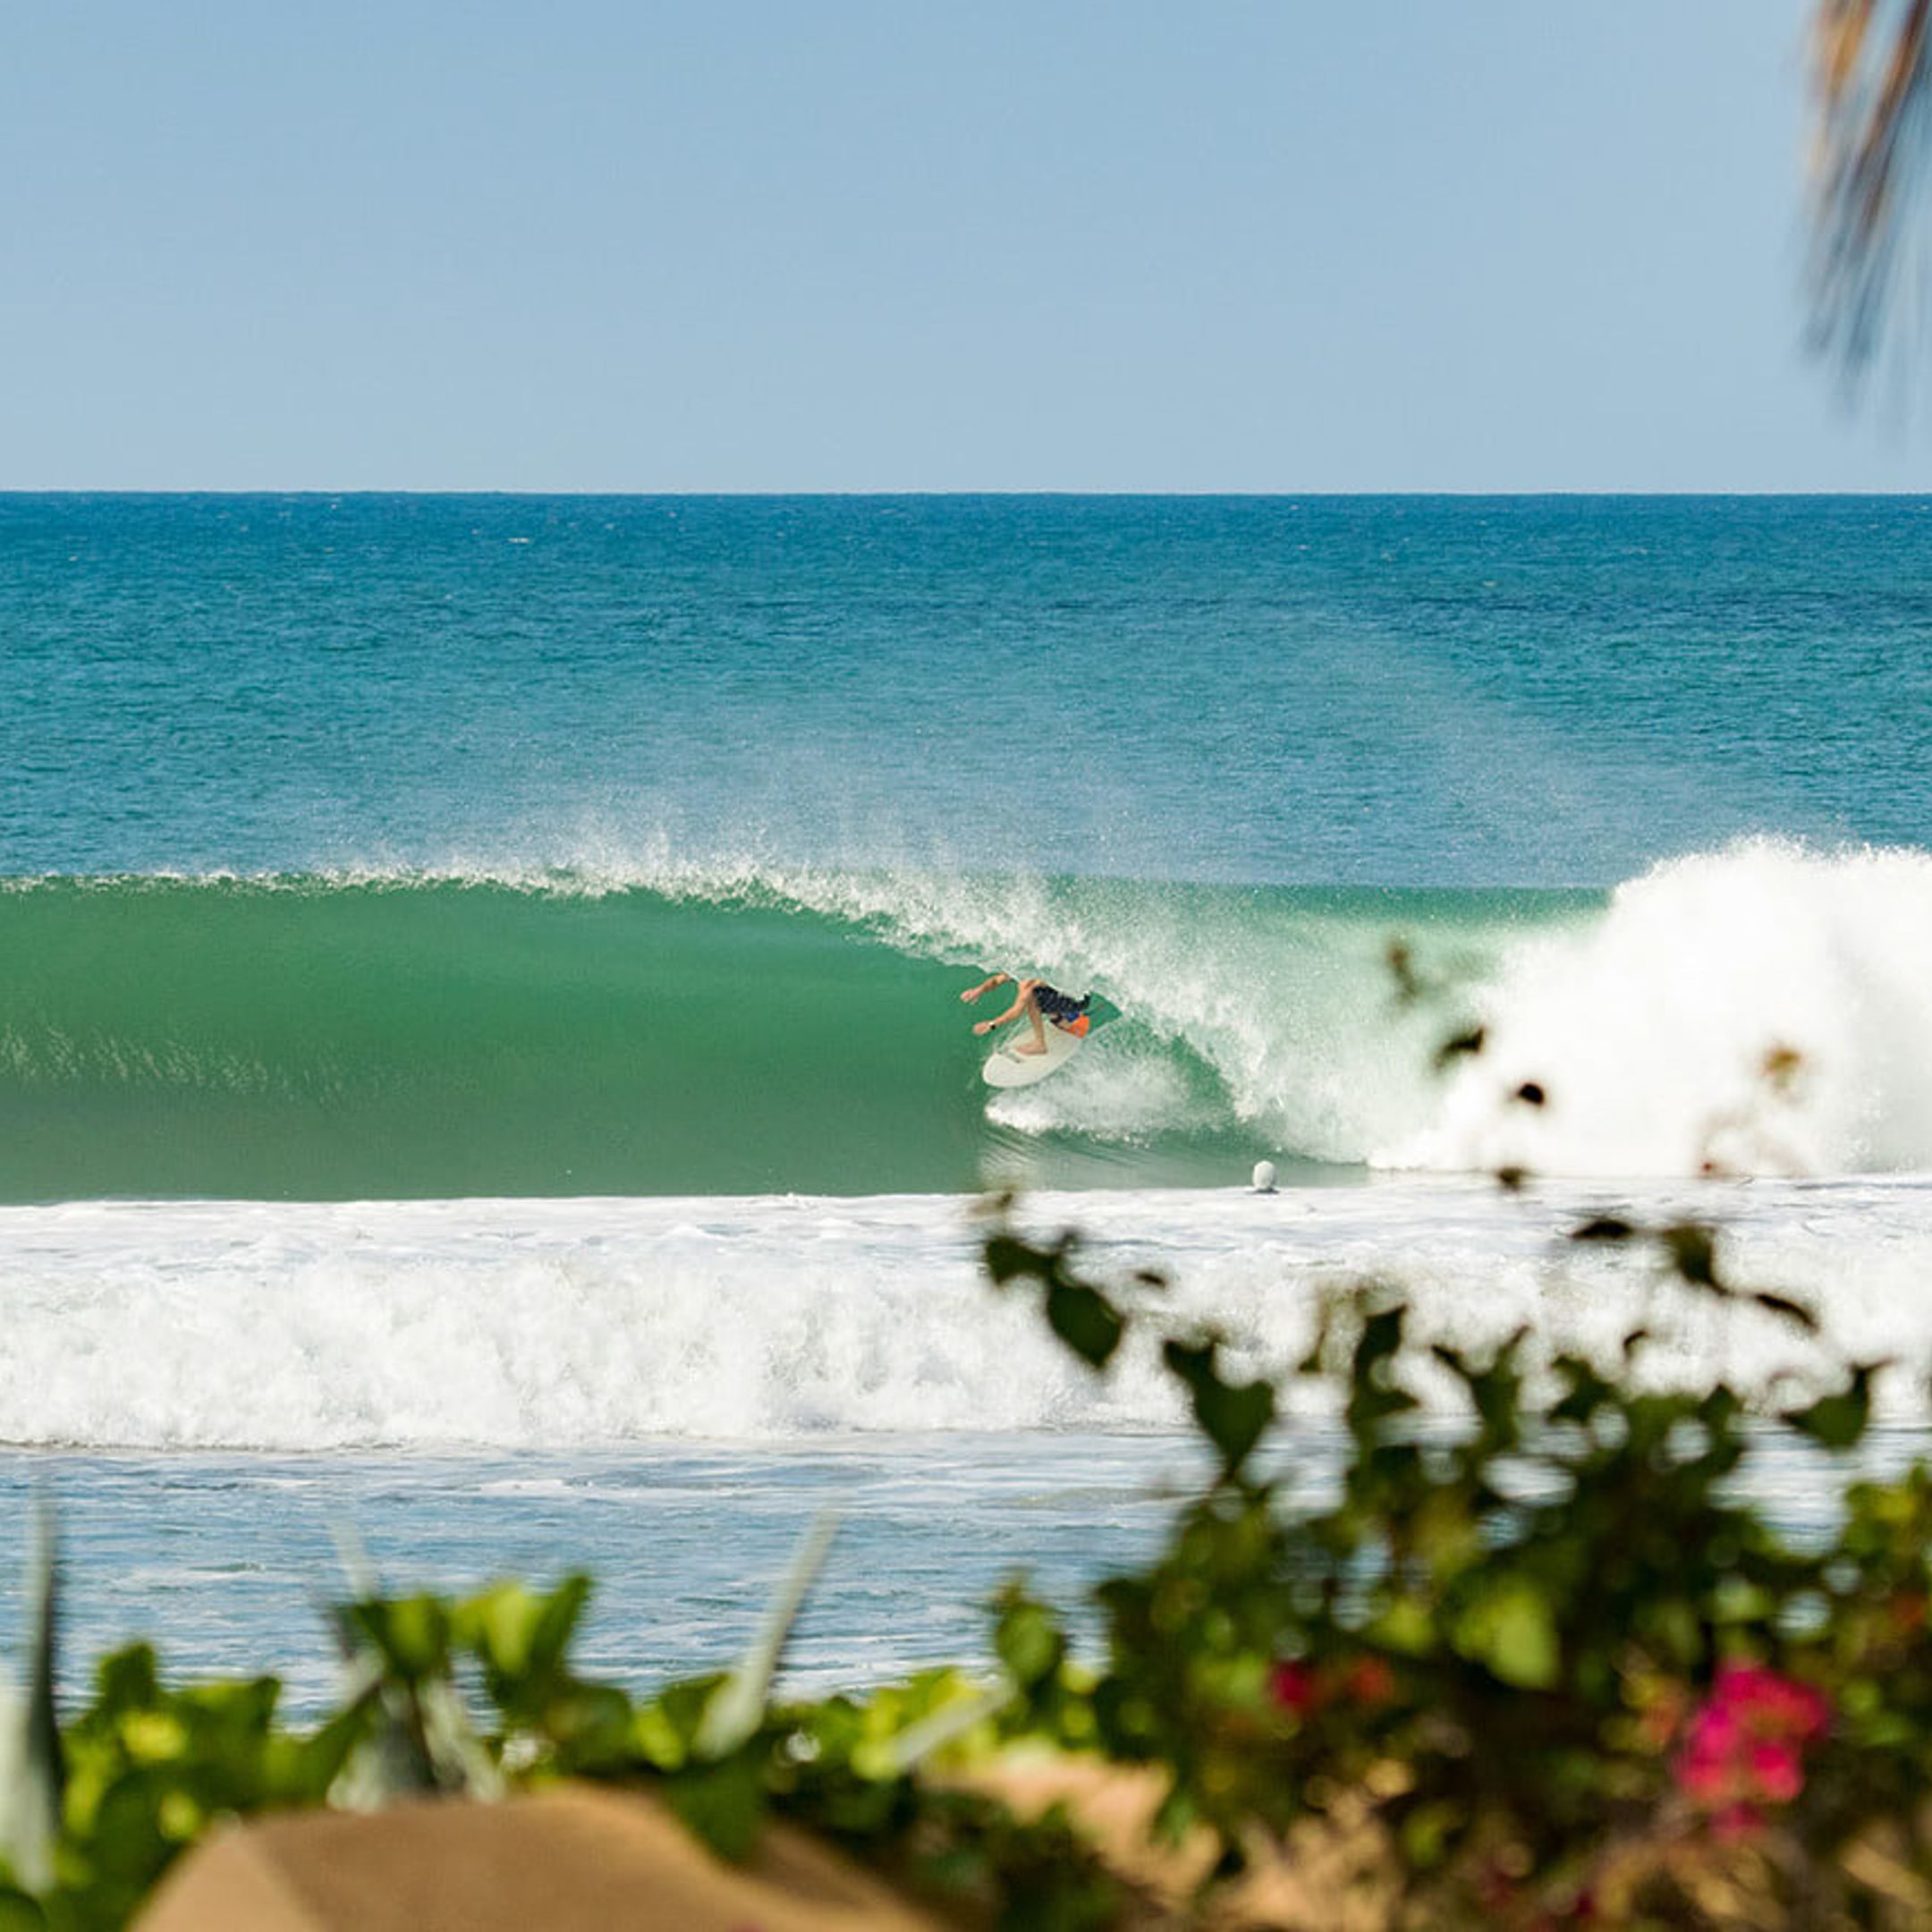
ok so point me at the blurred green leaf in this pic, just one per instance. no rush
(1458, 1047)
(1027, 1639)
(1512, 1631)
(1691, 1250)
(1603, 1228)
(1838, 1422)
(722, 1801)
(1784, 1306)
(1007, 1258)
(739, 1708)
(32, 1766)
(1232, 1416)
(411, 1634)
(1085, 1320)
(21, 1913)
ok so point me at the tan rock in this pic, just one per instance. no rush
(578, 1859)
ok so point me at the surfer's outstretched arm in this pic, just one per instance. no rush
(1012, 1013)
(1022, 1003)
(985, 985)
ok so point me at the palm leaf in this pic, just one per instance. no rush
(1871, 60)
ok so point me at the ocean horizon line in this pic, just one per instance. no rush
(1020, 493)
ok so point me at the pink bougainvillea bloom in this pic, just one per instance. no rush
(1704, 1769)
(1294, 1688)
(1770, 1704)
(1744, 1744)
(1775, 1771)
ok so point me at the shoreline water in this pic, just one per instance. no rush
(225, 1561)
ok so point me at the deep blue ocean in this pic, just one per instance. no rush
(479, 1045)
(1378, 691)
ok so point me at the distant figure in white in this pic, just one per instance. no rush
(1039, 1003)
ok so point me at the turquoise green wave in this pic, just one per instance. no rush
(328, 1040)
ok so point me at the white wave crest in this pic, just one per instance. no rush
(1763, 1010)
(1127, 1094)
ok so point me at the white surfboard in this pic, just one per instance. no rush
(1007, 1066)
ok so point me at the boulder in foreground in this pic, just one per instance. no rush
(578, 1859)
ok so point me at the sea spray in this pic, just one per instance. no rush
(1765, 1009)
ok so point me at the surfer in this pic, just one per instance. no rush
(1039, 1002)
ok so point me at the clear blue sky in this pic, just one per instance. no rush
(1008, 244)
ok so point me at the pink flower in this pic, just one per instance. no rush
(1706, 1766)
(1294, 1688)
(1744, 1744)
(1775, 1771)
(1771, 1705)
(1301, 1688)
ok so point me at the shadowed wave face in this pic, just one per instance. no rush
(330, 1041)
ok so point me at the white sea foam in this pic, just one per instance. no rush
(1121, 1094)
(1763, 1010)
(569, 1323)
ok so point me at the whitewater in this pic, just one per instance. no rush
(590, 1323)
(784, 1246)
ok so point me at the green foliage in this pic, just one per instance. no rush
(151, 1768)
(1521, 1648)
(1232, 1416)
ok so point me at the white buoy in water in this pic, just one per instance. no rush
(1263, 1177)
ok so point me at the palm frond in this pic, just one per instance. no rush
(1870, 73)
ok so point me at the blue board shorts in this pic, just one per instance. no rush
(1058, 1007)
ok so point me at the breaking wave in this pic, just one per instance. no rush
(659, 1028)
